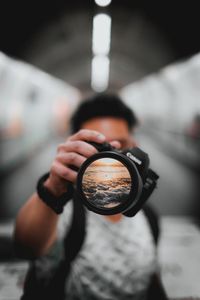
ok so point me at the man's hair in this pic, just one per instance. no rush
(102, 105)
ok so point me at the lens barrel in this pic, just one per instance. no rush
(109, 183)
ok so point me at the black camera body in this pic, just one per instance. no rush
(113, 181)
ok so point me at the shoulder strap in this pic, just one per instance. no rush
(73, 241)
(153, 219)
(54, 288)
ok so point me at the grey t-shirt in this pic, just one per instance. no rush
(115, 261)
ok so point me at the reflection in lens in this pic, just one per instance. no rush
(106, 183)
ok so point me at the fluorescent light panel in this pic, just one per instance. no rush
(101, 35)
(103, 3)
(100, 73)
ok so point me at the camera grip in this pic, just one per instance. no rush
(102, 147)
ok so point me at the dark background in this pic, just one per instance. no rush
(178, 20)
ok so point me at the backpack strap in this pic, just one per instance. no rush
(153, 220)
(73, 241)
(54, 288)
(156, 289)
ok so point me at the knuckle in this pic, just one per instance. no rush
(82, 160)
(82, 132)
(60, 147)
(65, 173)
(72, 156)
(59, 157)
(77, 146)
(53, 169)
(74, 177)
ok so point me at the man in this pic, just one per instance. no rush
(118, 257)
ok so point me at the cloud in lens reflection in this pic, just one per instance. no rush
(106, 183)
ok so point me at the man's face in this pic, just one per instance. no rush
(114, 129)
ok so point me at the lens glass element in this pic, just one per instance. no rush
(106, 183)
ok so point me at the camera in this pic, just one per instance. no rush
(113, 181)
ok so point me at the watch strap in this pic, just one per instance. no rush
(55, 203)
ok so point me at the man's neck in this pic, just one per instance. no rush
(114, 218)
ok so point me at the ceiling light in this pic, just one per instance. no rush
(103, 3)
(100, 73)
(101, 34)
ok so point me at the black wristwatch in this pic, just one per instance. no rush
(56, 204)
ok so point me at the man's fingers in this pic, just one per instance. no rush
(134, 143)
(63, 172)
(80, 147)
(71, 158)
(88, 135)
(116, 144)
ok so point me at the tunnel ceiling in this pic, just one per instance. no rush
(57, 37)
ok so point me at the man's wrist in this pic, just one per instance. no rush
(56, 189)
(57, 203)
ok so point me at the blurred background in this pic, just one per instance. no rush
(52, 55)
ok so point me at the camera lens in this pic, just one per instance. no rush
(106, 183)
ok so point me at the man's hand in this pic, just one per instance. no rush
(36, 223)
(69, 158)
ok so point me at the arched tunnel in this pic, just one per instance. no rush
(52, 58)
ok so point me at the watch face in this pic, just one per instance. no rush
(106, 183)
